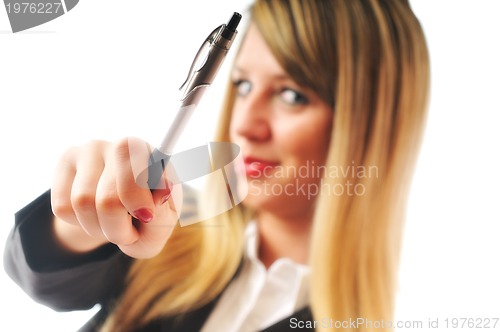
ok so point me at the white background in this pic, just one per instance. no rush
(111, 69)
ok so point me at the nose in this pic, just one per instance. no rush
(251, 117)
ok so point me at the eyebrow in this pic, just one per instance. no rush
(280, 76)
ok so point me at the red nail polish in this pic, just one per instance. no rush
(143, 215)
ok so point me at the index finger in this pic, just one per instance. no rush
(131, 155)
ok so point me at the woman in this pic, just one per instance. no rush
(328, 105)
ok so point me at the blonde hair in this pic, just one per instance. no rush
(369, 60)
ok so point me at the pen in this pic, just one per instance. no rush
(202, 73)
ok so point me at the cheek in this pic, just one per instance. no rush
(237, 121)
(304, 139)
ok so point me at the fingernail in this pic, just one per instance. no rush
(165, 198)
(144, 215)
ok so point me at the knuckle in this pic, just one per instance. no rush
(68, 157)
(128, 146)
(108, 204)
(94, 144)
(95, 149)
(122, 149)
(82, 201)
(61, 209)
(69, 153)
(98, 142)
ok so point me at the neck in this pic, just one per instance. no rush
(284, 237)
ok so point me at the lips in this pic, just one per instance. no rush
(255, 167)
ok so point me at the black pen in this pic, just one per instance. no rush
(202, 73)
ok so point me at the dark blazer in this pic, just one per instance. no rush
(66, 281)
(193, 321)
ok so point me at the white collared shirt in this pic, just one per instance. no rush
(258, 297)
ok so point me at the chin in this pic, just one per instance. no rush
(259, 203)
(258, 199)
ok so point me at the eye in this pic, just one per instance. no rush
(292, 97)
(243, 87)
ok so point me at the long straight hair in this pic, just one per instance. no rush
(368, 59)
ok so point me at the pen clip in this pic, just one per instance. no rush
(202, 54)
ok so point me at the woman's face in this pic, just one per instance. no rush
(282, 128)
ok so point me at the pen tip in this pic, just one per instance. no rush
(233, 22)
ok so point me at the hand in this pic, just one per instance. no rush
(95, 193)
